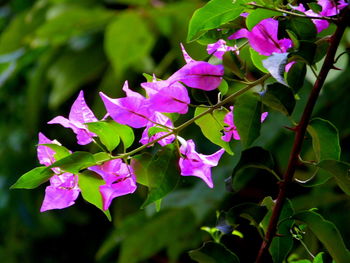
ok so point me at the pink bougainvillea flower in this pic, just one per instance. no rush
(231, 132)
(157, 117)
(263, 38)
(63, 189)
(133, 110)
(329, 8)
(196, 164)
(219, 48)
(167, 96)
(120, 180)
(198, 74)
(79, 114)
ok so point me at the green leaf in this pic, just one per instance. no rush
(327, 233)
(124, 49)
(296, 76)
(212, 125)
(89, 184)
(212, 252)
(280, 98)
(303, 28)
(276, 64)
(255, 157)
(325, 139)
(125, 133)
(250, 211)
(340, 171)
(71, 70)
(101, 157)
(320, 258)
(75, 162)
(259, 14)
(73, 21)
(163, 231)
(159, 173)
(282, 245)
(315, 7)
(33, 178)
(154, 130)
(60, 151)
(107, 133)
(306, 51)
(231, 61)
(247, 118)
(257, 60)
(212, 15)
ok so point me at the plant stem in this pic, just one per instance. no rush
(177, 129)
(300, 134)
(292, 13)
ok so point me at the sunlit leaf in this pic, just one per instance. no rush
(107, 133)
(212, 15)
(212, 125)
(75, 162)
(89, 184)
(257, 15)
(257, 60)
(33, 178)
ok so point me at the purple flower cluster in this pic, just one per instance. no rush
(149, 112)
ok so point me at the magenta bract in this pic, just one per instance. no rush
(196, 164)
(119, 177)
(263, 38)
(219, 48)
(134, 110)
(79, 114)
(63, 189)
(157, 117)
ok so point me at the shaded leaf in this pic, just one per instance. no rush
(255, 157)
(325, 139)
(124, 49)
(247, 118)
(280, 98)
(165, 229)
(327, 233)
(212, 125)
(250, 211)
(73, 21)
(340, 171)
(212, 252)
(296, 76)
(33, 178)
(303, 28)
(89, 184)
(212, 15)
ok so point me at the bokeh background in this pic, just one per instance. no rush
(49, 51)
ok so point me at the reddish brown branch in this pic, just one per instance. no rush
(300, 133)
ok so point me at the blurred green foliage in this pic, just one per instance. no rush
(51, 49)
